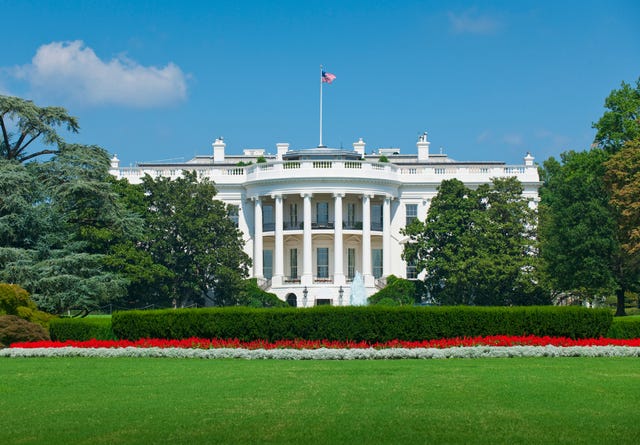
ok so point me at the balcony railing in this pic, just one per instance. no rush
(337, 168)
(324, 225)
(352, 225)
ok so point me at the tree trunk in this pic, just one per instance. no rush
(620, 303)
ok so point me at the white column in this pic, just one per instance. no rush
(366, 240)
(278, 253)
(338, 269)
(307, 254)
(257, 238)
(386, 237)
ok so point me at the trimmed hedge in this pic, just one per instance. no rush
(625, 327)
(369, 323)
(62, 329)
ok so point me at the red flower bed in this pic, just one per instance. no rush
(200, 343)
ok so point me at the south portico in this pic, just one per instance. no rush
(327, 230)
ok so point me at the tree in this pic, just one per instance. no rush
(31, 123)
(77, 218)
(578, 231)
(477, 246)
(21, 208)
(622, 178)
(191, 235)
(589, 207)
(621, 123)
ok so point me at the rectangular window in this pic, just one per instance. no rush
(376, 261)
(411, 211)
(268, 223)
(234, 213)
(293, 263)
(412, 273)
(351, 263)
(267, 264)
(322, 214)
(351, 215)
(293, 216)
(322, 259)
(376, 217)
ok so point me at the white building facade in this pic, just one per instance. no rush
(312, 219)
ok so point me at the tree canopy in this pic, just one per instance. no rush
(22, 123)
(622, 178)
(190, 233)
(60, 221)
(477, 246)
(621, 122)
(589, 208)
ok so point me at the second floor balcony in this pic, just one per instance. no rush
(376, 226)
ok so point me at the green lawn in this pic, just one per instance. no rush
(183, 401)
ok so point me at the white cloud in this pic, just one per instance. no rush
(512, 139)
(73, 71)
(470, 22)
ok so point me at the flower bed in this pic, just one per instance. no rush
(200, 343)
(477, 347)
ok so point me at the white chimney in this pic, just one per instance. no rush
(115, 162)
(358, 147)
(218, 150)
(528, 159)
(282, 147)
(114, 169)
(423, 148)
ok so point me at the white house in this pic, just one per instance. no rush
(313, 218)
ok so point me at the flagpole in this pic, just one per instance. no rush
(320, 145)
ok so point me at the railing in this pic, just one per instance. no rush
(380, 282)
(264, 283)
(352, 225)
(293, 226)
(356, 169)
(322, 225)
(325, 280)
(329, 225)
(293, 280)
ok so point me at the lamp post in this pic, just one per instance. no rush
(305, 291)
(340, 294)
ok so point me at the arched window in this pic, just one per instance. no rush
(292, 300)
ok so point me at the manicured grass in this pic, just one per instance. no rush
(182, 401)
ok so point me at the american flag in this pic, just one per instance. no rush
(328, 77)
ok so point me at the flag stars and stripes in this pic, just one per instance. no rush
(328, 77)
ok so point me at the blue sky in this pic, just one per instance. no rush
(159, 80)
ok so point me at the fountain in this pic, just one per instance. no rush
(358, 295)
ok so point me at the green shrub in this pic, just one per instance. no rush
(400, 290)
(370, 323)
(251, 295)
(14, 329)
(625, 327)
(81, 329)
(14, 300)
